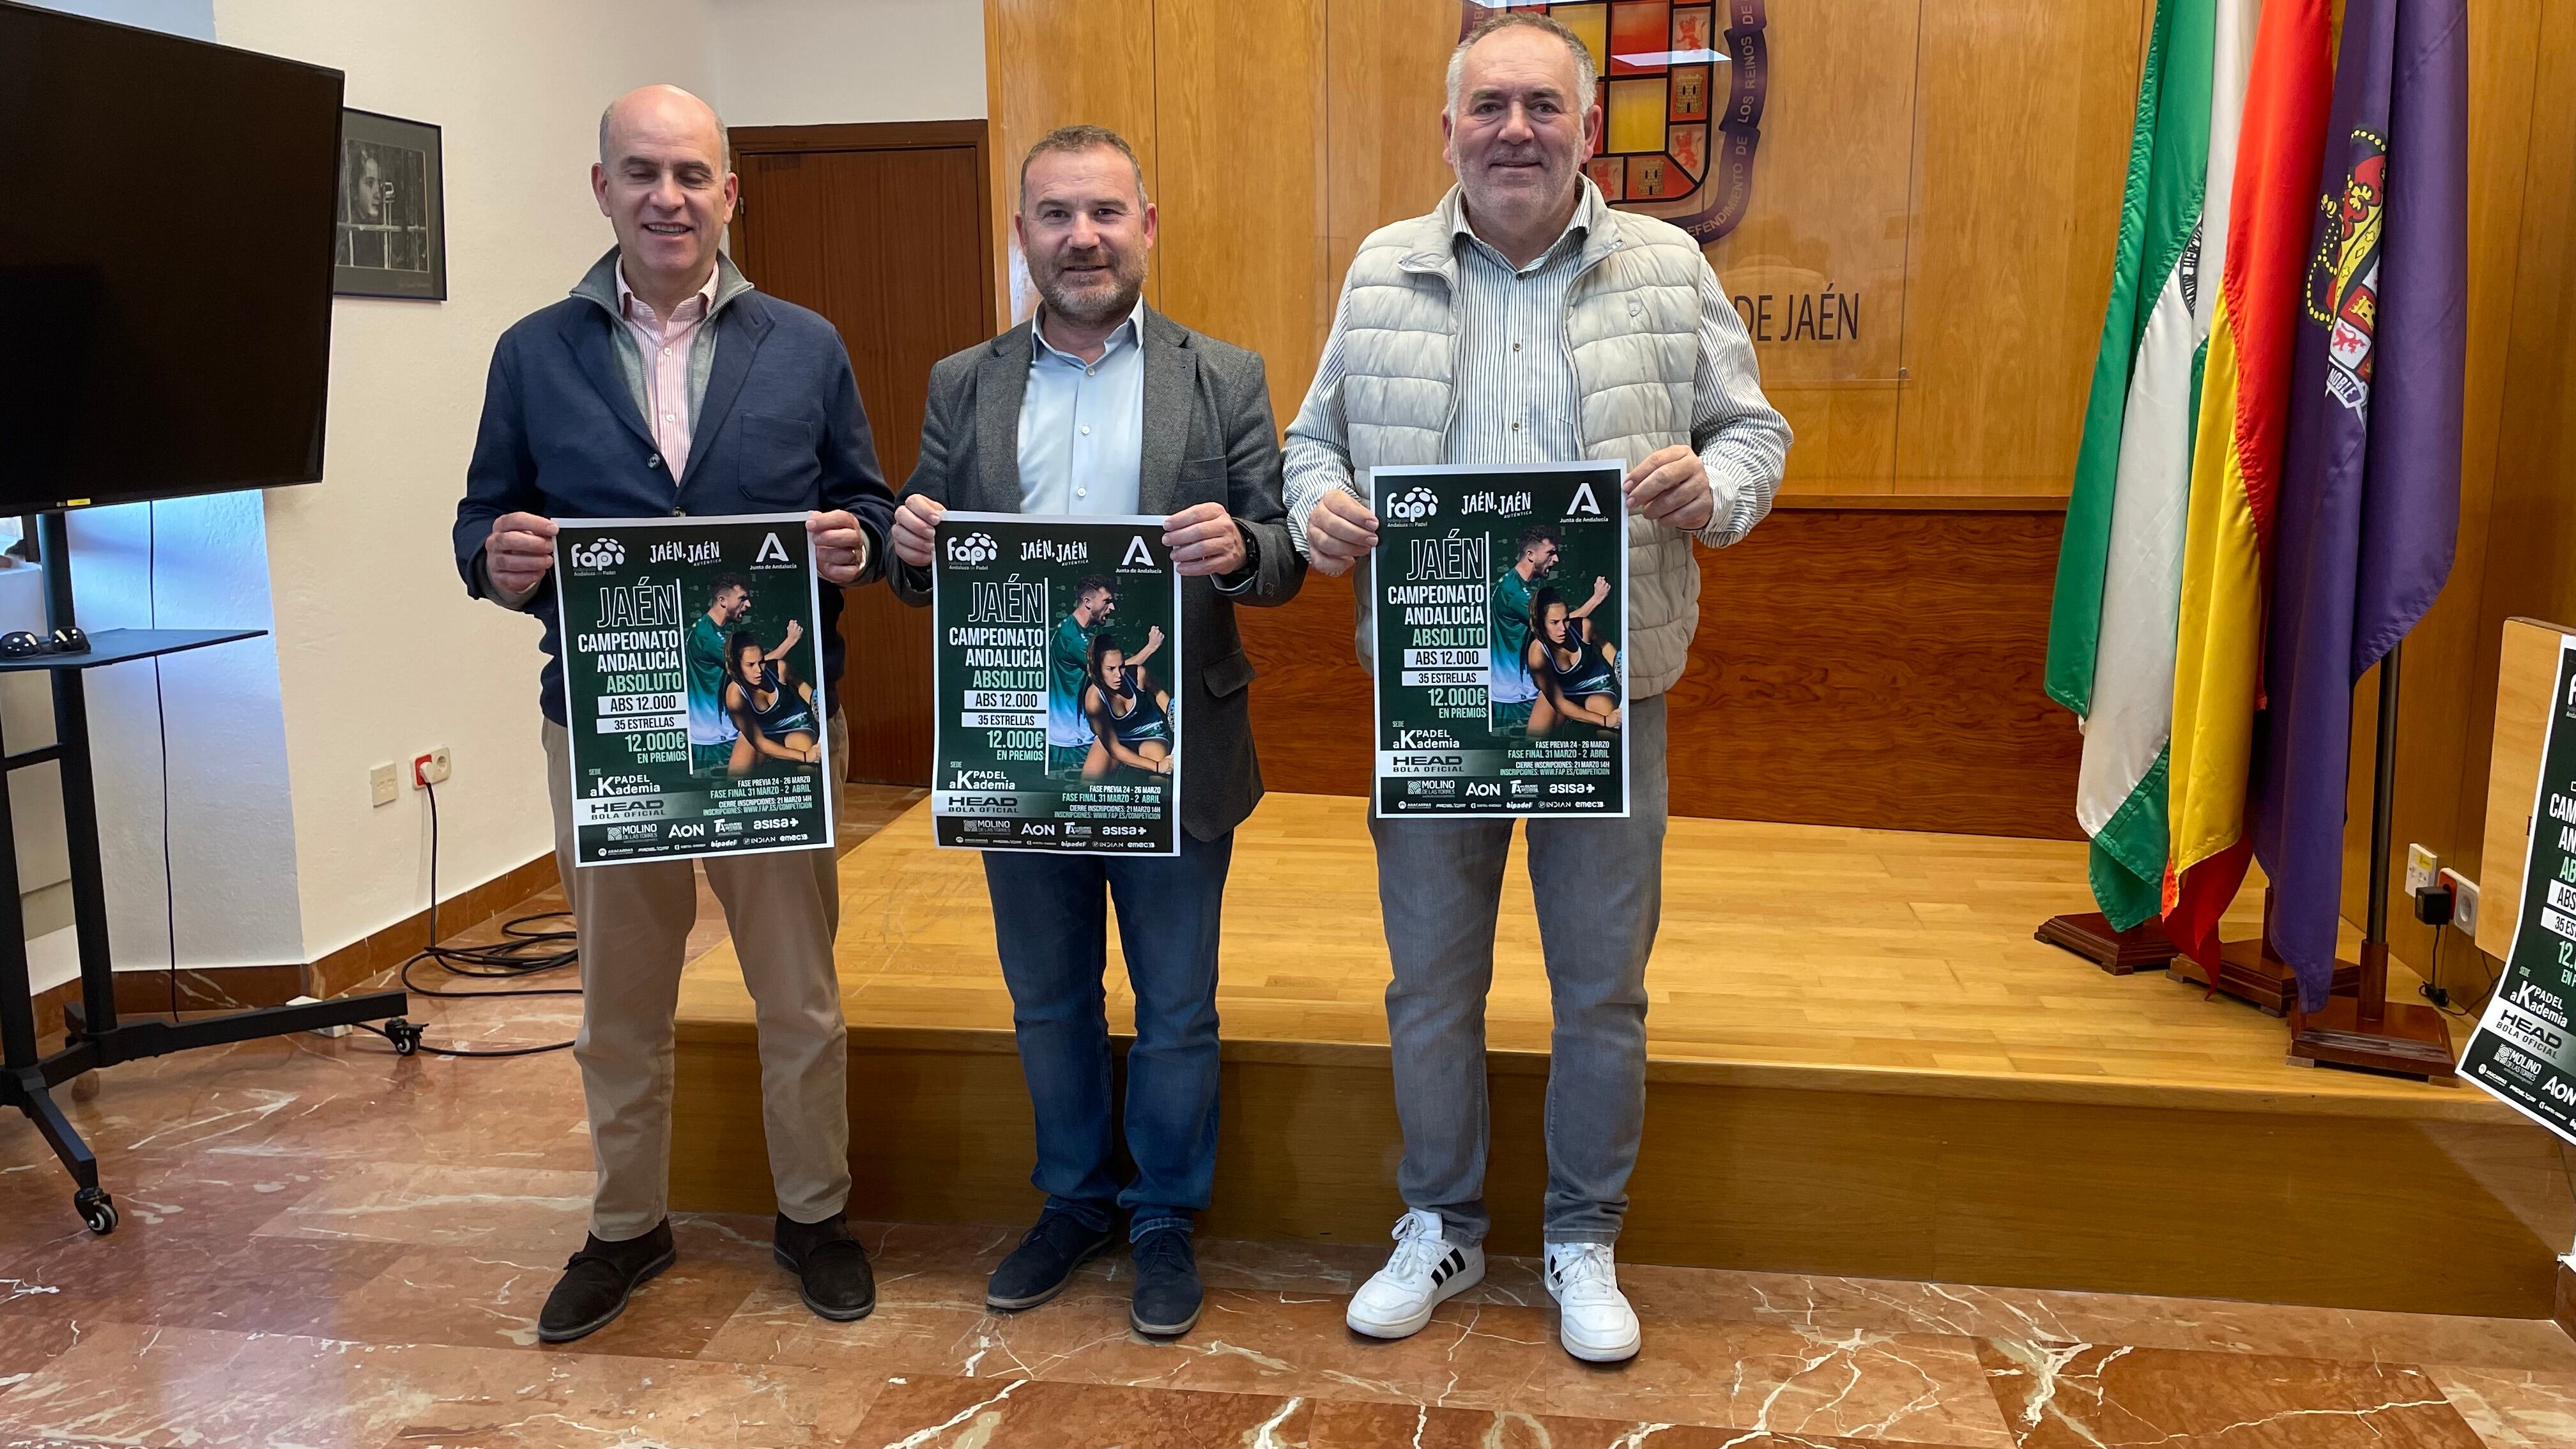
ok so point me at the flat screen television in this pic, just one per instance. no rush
(165, 264)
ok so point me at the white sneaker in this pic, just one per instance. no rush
(1597, 1325)
(1424, 1272)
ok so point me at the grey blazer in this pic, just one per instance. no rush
(1209, 438)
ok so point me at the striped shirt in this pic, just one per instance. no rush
(1518, 399)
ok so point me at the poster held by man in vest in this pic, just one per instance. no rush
(1058, 721)
(2524, 1049)
(1500, 598)
(693, 669)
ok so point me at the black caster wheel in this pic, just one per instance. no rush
(96, 1209)
(405, 1036)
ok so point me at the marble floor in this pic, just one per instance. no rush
(327, 1245)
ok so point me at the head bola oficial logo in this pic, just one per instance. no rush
(1413, 506)
(973, 550)
(599, 553)
(1672, 146)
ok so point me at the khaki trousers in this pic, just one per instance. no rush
(783, 909)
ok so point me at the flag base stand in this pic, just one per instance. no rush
(2142, 947)
(2250, 972)
(2400, 1037)
(2367, 1030)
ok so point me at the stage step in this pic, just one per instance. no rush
(1862, 1066)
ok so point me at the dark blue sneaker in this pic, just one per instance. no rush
(1168, 1296)
(1040, 1267)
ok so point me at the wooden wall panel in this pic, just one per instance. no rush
(1878, 669)
(1239, 104)
(1050, 64)
(1383, 64)
(1870, 668)
(1832, 197)
(2022, 140)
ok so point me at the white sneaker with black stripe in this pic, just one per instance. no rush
(1425, 1271)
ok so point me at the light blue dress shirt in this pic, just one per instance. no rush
(1082, 425)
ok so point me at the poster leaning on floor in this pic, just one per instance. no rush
(1058, 722)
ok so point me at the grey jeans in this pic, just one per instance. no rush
(1600, 888)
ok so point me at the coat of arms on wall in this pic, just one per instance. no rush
(1681, 100)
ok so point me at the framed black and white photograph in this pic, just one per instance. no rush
(392, 238)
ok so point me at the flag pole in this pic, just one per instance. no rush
(2383, 802)
(2368, 1030)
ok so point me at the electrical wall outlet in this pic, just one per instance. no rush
(2423, 867)
(429, 769)
(383, 785)
(2464, 901)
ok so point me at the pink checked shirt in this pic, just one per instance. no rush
(665, 342)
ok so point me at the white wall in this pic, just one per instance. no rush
(380, 654)
(816, 62)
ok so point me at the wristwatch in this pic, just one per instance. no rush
(1251, 551)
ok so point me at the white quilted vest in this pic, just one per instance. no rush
(1632, 325)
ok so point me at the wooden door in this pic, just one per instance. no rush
(883, 229)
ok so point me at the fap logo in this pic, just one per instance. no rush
(1413, 505)
(1683, 87)
(598, 554)
(974, 550)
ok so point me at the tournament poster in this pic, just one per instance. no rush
(2524, 1049)
(693, 686)
(1056, 670)
(1500, 598)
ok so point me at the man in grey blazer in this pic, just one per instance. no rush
(1099, 406)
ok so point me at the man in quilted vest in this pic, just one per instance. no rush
(1524, 321)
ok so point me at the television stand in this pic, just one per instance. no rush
(95, 1037)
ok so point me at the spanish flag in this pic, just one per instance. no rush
(2236, 471)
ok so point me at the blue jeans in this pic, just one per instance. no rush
(1599, 887)
(1051, 924)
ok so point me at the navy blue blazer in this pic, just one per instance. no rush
(781, 428)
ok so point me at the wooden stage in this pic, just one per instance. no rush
(1862, 1064)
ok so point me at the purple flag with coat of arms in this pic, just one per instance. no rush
(2370, 496)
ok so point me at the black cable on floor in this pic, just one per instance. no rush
(524, 951)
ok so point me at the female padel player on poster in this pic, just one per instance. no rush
(1577, 676)
(1131, 720)
(772, 709)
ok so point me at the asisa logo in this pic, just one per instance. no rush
(974, 550)
(1413, 505)
(599, 553)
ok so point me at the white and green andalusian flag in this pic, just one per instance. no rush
(2119, 571)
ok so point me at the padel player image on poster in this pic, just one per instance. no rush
(1058, 643)
(693, 667)
(1501, 602)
